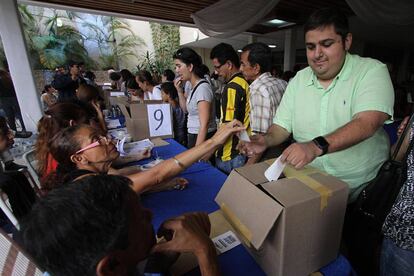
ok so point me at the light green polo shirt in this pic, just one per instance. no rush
(308, 110)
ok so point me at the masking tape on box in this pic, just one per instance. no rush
(245, 233)
(302, 176)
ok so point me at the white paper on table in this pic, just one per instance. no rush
(226, 241)
(117, 93)
(159, 119)
(134, 148)
(120, 146)
(244, 136)
(113, 123)
(275, 170)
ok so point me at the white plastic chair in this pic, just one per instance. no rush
(13, 260)
(31, 163)
(6, 208)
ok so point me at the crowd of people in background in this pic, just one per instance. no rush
(320, 115)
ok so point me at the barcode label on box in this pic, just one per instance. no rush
(225, 242)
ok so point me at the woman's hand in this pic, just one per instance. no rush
(226, 130)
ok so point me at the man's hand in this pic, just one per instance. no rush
(187, 233)
(257, 145)
(190, 233)
(300, 154)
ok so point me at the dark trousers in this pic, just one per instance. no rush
(192, 138)
(10, 105)
(362, 243)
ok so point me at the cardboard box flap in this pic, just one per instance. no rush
(254, 173)
(250, 211)
(124, 111)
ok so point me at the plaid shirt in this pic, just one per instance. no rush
(265, 95)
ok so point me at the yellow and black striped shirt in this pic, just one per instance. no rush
(235, 104)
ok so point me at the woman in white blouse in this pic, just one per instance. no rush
(199, 103)
(147, 84)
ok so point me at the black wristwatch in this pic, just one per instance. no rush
(321, 143)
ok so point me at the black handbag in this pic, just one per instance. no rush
(376, 199)
(364, 220)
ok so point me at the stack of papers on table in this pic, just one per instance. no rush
(133, 148)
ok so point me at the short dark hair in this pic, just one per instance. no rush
(132, 84)
(71, 63)
(224, 52)
(46, 88)
(144, 75)
(259, 53)
(114, 76)
(169, 74)
(326, 17)
(189, 56)
(71, 229)
(126, 74)
(170, 90)
(90, 75)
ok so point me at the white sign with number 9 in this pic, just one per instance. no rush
(159, 119)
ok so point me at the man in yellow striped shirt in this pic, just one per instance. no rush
(235, 103)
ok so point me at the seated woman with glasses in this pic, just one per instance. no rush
(58, 117)
(81, 150)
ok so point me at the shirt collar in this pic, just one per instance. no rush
(237, 74)
(258, 80)
(342, 75)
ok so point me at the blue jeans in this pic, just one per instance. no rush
(228, 166)
(396, 261)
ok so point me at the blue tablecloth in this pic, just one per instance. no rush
(205, 182)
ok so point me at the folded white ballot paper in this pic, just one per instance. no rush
(243, 136)
(133, 148)
(275, 170)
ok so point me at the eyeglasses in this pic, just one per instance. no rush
(102, 141)
(218, 67)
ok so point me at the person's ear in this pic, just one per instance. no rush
(110, 265)
(78, 159)
(230, 64)
(256, 68)
(348, 41)
(190, 67)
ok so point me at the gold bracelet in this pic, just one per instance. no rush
(178, 163)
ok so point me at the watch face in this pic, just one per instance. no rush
(322, 142)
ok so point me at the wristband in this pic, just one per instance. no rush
(181, 165)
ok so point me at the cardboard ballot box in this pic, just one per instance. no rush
(291, 226)
(147, 120)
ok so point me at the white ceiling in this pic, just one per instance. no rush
(390, 36)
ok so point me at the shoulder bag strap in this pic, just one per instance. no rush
(406, 132)
(195, 88)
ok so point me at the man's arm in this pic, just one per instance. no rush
(259, 143)
(362, 126)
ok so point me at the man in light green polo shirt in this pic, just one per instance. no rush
(335, 108)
